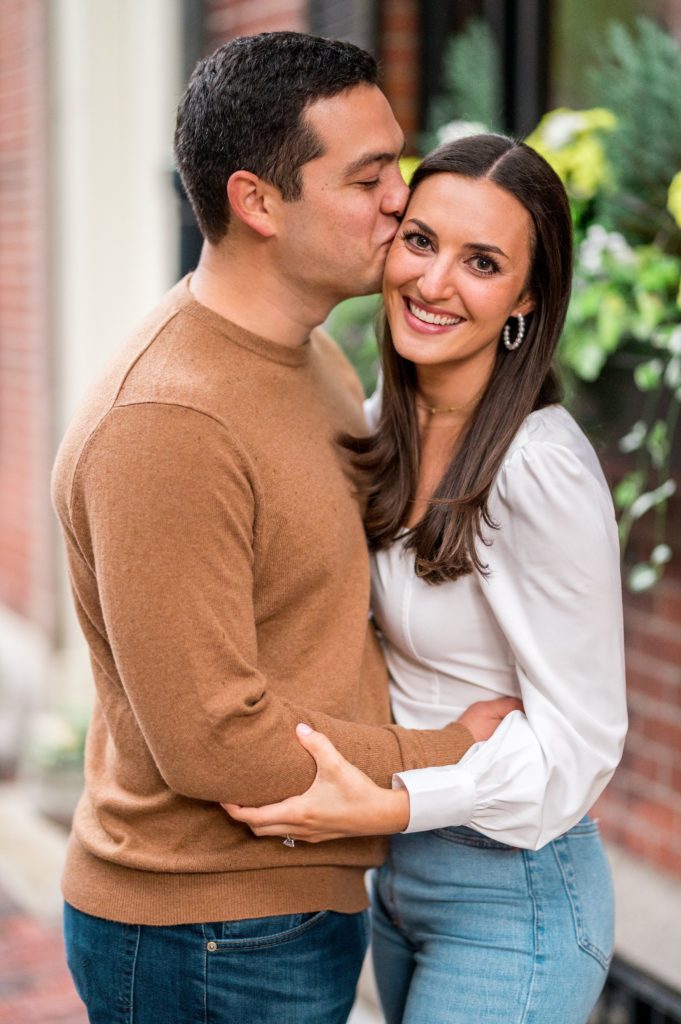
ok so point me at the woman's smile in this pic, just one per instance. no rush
(456, 272)
(429, 319)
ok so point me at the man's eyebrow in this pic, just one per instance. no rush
(372, 158)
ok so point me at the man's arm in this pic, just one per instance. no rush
(163, 509)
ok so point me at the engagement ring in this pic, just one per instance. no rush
(289, 841)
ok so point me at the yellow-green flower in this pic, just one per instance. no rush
(674, 198)
(408, 165)
(571, 141)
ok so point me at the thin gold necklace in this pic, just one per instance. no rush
(435, 411)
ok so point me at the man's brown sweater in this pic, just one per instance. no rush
(220, 576)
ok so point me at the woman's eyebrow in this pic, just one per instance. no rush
(486, 247)
(477, 246)
(422, 225)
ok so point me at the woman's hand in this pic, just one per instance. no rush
(341, 802)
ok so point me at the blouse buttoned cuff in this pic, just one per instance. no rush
(438, 797)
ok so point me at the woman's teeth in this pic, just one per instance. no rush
(433, 318)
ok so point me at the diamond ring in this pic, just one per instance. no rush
(289, 841)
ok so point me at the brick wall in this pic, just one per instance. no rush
(25, 571)
(669, 12)
(641, 808)
(228, 18)
(399, 52)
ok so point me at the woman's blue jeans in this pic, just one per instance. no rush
(467, 929)
(292, 969)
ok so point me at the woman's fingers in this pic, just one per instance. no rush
(321, 748)
(270, 814)
(292, 810)
(334, 807)
(283, 827)
(237, 812)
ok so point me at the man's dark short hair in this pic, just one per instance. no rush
(244, 110)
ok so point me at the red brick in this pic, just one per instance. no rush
(230, 18)
(664, 645)
(667, 733)
(675, 778)
(32, 959)
(655, 851)
(660, 816)
(403, 22)
(25, 573)
(646, 768)
(399, 42)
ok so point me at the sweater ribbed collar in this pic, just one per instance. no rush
(264, 347)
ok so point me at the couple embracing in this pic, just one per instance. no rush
(248, 753)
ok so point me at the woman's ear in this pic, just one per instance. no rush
(251, 200)
(525, 305)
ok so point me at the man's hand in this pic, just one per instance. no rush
(482, 718)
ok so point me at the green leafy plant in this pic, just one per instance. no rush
(638, 78)
(471, 85)
(352, 324)
(575, 144)
(620, 164)
(625, 300)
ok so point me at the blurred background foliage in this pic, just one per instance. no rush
(621, 164)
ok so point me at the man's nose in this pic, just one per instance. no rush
(395, 196)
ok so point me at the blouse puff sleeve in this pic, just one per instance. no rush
(554, 589)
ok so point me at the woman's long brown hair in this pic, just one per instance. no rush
(445, 540)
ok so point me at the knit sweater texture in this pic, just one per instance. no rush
(220, 575)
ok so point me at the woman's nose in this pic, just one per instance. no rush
(437, 283)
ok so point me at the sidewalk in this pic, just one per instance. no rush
(35, 985)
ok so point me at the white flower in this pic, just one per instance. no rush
(561, 129)
(598, 243)
(674, 343)
(454, 130)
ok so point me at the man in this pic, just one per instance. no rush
(219, 567)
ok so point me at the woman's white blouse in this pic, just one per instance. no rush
(545, 625)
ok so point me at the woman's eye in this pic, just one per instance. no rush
(484, 264)
(417, 240)
(370, 183)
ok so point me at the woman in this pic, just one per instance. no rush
(495, 572)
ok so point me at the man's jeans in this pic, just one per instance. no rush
(292, 969)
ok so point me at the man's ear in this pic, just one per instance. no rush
(251, 200)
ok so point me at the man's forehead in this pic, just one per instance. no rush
(356, 123)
